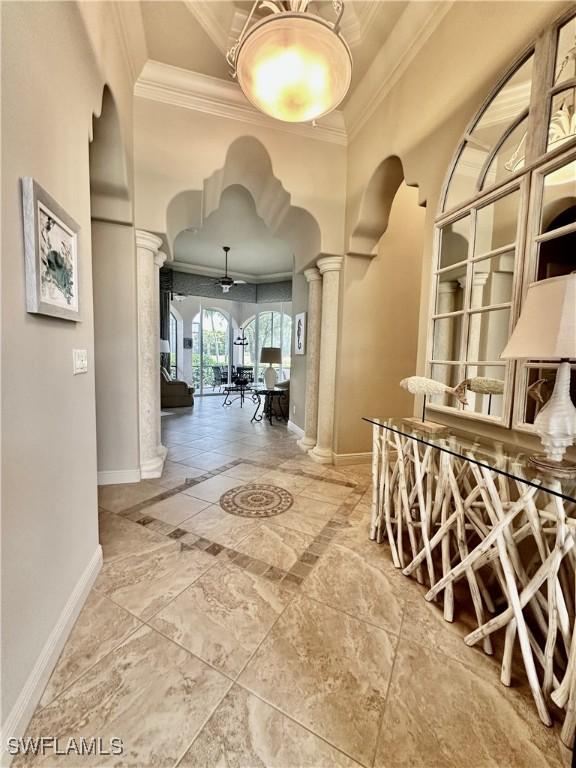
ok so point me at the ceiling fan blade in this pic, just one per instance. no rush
(239, 282)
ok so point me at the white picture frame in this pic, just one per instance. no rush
(51, 255)
(300, 333)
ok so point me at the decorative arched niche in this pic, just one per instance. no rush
(248, 165)
(507, 217)
(109, 188)
(375, 207)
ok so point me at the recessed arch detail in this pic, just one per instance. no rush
(375, 206)
(109, 187)
(248, 165)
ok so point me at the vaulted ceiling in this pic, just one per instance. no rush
(196, 34)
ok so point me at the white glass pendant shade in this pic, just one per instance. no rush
(294, 67)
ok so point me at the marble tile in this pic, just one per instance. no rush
(223, 616)
(307, 515)
(212, 489)
(145, 583)
(328, 671)
(343, 579)
(183, 452)
(278, 546)
(247, 472)
(323, 491)
(121, 538)
(176, 508)
(115, 498)
(215, 524)
(424, 624)
(148, 692)
(100, 627)
(245, 732)
(292, 483)
(210, 460)
(442, 714)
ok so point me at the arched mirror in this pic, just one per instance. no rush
(507, 218)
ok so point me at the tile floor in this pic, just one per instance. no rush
(212, 640)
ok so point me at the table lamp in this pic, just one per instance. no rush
(272, 356)
(546, 330)
(164, 347)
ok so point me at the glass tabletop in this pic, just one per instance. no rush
(506, 458)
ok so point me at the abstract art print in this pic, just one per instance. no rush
(300, 333)
(51, 251)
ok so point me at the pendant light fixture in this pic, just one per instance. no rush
(292, 65)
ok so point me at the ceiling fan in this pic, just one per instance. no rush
(226, 282)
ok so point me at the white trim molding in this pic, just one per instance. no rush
(117, 476)
(21, 713)
(213, 96)
(352, 458)
(296, 429)
(197, 269)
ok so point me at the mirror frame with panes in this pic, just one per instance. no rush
(507, 218)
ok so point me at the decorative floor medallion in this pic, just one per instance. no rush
(256, 500)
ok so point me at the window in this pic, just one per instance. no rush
(270, 328)
(508, 217)
(210, 350)
(173, 346)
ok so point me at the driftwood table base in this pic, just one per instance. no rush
(448, 518)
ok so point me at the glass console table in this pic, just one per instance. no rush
(454, 507)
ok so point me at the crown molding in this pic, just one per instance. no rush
(400, 49)
(196, 269)
(213, 96)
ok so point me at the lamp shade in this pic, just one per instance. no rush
(546, 328)
(294, 67)
(164, 347)
(272, 355)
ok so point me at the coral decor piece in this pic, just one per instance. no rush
(483, 385)
(420, 385)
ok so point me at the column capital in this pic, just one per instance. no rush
(312, 274)
(449, 286)
(147, 240)
(330, 264)
(159, 258)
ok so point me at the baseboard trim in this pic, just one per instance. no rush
(296, 429)
(21, 713)
(116, 476)
(352, 458)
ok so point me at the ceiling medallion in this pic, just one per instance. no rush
(292, 65)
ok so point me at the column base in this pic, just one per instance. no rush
(306, 443)
(153, 467)
(321, 455)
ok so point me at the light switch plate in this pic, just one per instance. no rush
(80, 361)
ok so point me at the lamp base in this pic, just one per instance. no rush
(270, 377)
(564, 470)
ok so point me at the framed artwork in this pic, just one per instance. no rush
(300, 333)
(51, 253)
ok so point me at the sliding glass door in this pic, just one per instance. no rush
(211, 342)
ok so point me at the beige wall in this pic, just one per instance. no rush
(379, 326)
(51, 86)
(115, 351)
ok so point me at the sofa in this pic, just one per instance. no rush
(174, 393)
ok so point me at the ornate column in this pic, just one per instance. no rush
(149, 261)
(329, 268)
(314, 279)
